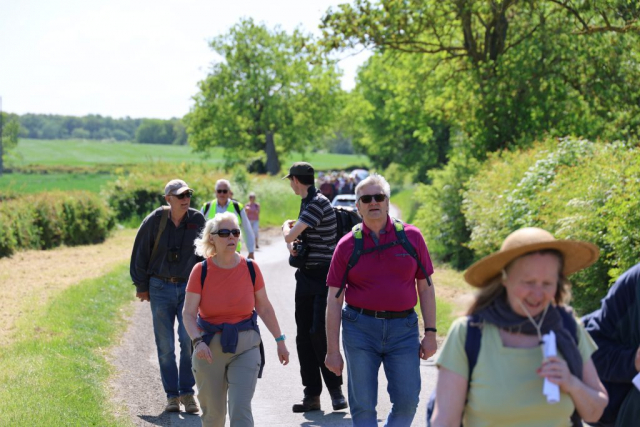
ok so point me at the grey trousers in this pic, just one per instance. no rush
(231, 377)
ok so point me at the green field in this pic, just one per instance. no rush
(90, 153)
(36, 183)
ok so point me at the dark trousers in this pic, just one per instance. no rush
(311, 339)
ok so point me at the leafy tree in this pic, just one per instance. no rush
(272, 93)
(511, 70)
(154, 131)
(9, 131)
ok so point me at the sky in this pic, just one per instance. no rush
(136, 58)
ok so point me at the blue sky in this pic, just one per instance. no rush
(136, 58)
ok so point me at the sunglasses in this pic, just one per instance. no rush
(224, 233)
(225, 191)
(188, 194)
(368, 197)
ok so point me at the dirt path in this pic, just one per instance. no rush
(30, 278)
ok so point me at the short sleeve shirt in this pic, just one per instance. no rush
(505, 389)
(381, 280)
(317, 213)
(228, 294)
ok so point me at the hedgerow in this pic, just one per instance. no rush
(47, 220)
(574, 188)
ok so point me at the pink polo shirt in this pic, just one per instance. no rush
(384, 280)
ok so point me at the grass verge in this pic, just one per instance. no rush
(56, 373)
(403, 199)
(37, 183)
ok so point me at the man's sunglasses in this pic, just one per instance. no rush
(224, 233)
(225, 191)
(187, 193)
(368, 197)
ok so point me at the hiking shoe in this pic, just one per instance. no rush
(173, 405)
(190, 404)
(309, 403)
(337, 400)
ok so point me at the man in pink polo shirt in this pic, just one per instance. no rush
(379, 324)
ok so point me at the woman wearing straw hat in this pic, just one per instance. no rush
(523, 289)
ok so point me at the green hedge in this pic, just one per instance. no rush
(47, 220)
(132, 196)
(574, 188)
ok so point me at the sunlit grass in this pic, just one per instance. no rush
(55, 372)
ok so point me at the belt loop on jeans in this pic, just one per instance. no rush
(382, 314)
(172, 279)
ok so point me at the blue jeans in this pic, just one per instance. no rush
(167, 300)
(395, 343)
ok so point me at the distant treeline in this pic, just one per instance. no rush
(145, 131)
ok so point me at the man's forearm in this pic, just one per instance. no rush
(334, 307)
(427, 296)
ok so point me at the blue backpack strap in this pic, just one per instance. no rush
(472, 342)
(472, 349)
(252, 271)
(355, 255)
(401, 235)
(203, 273)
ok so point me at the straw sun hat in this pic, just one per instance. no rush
(577, 255)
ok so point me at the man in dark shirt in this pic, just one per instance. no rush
(161, 262)
(316, 226)
(615, 327)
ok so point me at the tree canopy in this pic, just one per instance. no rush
(271, 93)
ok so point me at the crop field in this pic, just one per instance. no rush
(89, 153)
(29, 183)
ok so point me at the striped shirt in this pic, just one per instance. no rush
(317, 213)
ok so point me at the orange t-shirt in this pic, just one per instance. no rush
(227, 296)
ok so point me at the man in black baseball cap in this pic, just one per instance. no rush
(314, 235)
(300, 169)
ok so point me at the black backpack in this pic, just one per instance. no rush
(346, 219)
(472, 349)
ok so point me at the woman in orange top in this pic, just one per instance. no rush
(220, 317)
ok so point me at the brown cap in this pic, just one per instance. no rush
(175, 187)
(300, 168)
(577, 255)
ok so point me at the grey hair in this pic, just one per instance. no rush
(204, 247)
(374, 179)
(223, 181)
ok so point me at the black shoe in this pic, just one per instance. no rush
(309, 403)
(337, 400)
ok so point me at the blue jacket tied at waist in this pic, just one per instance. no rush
(229, 338)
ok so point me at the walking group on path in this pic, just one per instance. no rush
(365, 283)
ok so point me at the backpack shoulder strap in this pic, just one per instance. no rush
(401, 235)
(203, 273)
(569, 323)
(358, 246)
(252, 271)
(205, 209)
(236, 206)
(161, 227)
(472, 342)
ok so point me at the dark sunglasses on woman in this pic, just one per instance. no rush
(224, 233)
(187, 193)
(225, 191)
(368, 197)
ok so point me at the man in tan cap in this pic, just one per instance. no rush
(161, 261)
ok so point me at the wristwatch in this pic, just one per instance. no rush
(196, 341)
(430, 330)
(281, 338)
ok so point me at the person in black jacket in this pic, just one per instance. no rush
(615, 327)
(162, 258)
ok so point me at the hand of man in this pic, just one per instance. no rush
(143, 296)
(334, 362)
(288, 224)
(638, 360)
(250, 256)
(428, 346)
